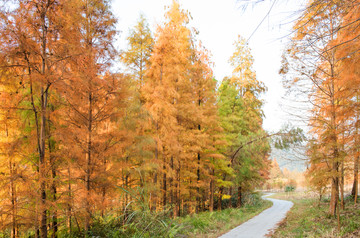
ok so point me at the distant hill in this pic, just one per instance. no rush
(281, 178)
(292, 159)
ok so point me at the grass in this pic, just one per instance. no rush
(205, 224)
(308, 218)
(214, 224)
(141, 222)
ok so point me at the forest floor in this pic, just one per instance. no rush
(309, 218)
(214, 224)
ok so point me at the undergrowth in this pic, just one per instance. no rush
(142, 222)
(309, 218)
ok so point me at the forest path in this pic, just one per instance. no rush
(264, 223)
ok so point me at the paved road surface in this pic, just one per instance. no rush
(263, 223)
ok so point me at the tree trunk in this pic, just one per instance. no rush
(69, 215)
(239, 197)
(153, 199)
(342, 184)
(230, 194)
(334, 189)
(13, 200)
(103, 208)
(203, 201)
(354, 190)
(54, 216)
(197, 209)
(126, 197)
(88, 162)
(220, 197)
(171, 185)
(54, 225)
(178, 196)
(211, 203)
(164, 184)
(43, 120)
(42, 164)
(36, 222)
(155, 180)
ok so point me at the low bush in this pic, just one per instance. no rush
(289, 188)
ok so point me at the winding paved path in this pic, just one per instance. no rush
(263, 223)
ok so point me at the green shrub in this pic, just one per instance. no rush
(289, 188)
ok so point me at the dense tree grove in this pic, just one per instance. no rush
(81, 141)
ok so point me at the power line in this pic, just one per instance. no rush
(267, 14)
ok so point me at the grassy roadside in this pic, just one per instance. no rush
(146, 223)
(308, 218)
(214, 224)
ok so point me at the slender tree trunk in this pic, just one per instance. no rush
(171, 182)
(230, 194)
(178, 197)
(342, 184)
(36, 119)
(239, 197)
(104, 189)
(220, 197)
(197, 209)
(334, 206)
(69, 216)
(157, 187)
(43, 119)
(12, 191)
(37, 229)
(37, 219)
(88, 162)
(54, 198)
(164, 183)
(211, 203)
(54, 216)
(42, 169)
(13, 200)
(103, 208)
(334, 189)
(54, 225)
(154, 196)
(354, 191)
(203, 200)
(355, 187)
(127, 199)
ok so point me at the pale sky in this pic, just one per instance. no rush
(219, 22)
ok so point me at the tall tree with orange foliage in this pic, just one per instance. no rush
(92, 101)
(33, 50)
(348, 51)
(138, 155)
(137, 56)
(179, 94)
(312, 67)
(12, 175)
(168, 71)
(208, 134)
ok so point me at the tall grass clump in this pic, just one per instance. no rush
(136, 220)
